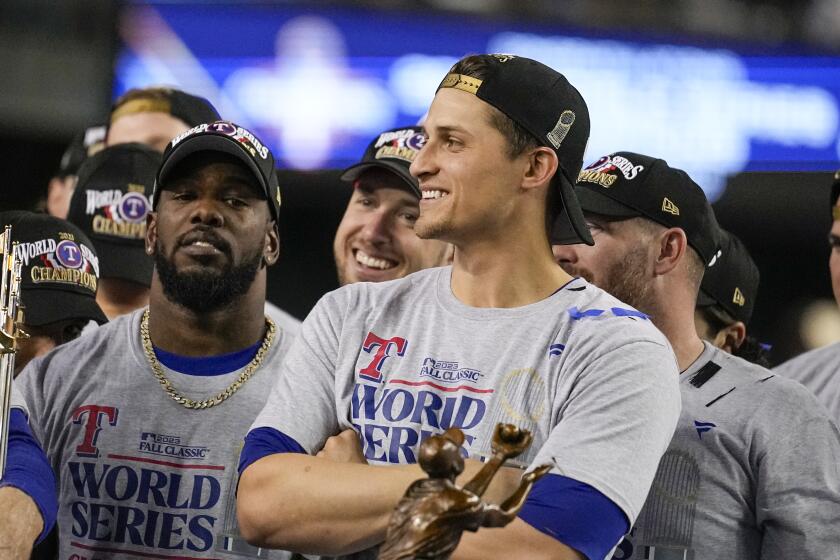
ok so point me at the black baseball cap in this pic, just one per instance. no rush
(59, 269)
(84, 144)
(543, 102)
(626, 185)
(110, 205)
(227, 138)
(393, 150)
(191, 109)
(835, 193)
(731, 279)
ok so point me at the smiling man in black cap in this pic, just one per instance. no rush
(59, 280)
(752, 470)
(375, 240)
(144, 417)
(503, 335)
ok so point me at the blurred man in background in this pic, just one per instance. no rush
(110, 204)
(752, 469)
(726, 299)
(60, 188)
(59, 278)
(155, 115)
(819, 369)
(375, 240)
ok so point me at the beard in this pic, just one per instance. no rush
(206, 290)
(626, 279)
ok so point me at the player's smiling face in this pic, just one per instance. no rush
(467, 178)
(211, 217)
(375, 240)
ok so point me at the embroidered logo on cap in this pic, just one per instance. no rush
(608, 164)
(738, 298)
(399, 144)
(670, 207)
(561, 129)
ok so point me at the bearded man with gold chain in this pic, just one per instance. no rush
(143, 419)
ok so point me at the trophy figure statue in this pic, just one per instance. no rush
(10, 318)
(428, 521)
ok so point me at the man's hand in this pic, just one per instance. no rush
(345, 447)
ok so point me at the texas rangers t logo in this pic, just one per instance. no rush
(383, 348)
(92, 416)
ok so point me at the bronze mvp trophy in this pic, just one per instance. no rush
(429, 520)
(9, 333)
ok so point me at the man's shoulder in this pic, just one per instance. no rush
(285, 321)
(820, 362)
(771, 398)
(608, 321)
(416, 283)
(93, 345)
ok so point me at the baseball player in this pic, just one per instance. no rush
(61, 186)
(375, 240)
(818, 369)
(143, 418)
(59, 279)
(503, 335)
(27, 490)
(752, 470)
(726, 299)
(110, 205)
(155, 115)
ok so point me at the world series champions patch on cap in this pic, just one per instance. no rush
(228, 138)
(110, 205)
(543, 102)
(393, 150)
(627, 184)
(59, 269)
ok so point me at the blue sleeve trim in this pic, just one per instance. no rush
(207, 365)
(265, 441)
(575, 514)
(28, 470)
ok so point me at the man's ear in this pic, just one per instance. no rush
(541, 166)
(672, 247)
(271, 250)
(151, 233)
(731, 337)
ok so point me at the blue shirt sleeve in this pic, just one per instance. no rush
(575, 514)
(266, 441)
(28, 470)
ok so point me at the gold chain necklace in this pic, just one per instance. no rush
(221, 397)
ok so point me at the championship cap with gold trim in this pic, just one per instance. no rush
(627, 185)
(110, 205)
(393, 150)
(543, 102)
(731, 279)
(59, 269)
(227, 138)
(191, 109)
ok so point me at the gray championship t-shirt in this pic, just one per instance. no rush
(752, 471)
(819, 370)
(139, 475)
(592, 379)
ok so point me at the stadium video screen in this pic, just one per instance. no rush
(317, 84)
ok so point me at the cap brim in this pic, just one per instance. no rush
(47, 305)
(209, 143)
(123, 261)
(354, 171)
(597, 203)
(574, 230)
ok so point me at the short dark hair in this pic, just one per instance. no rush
(518, 139)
